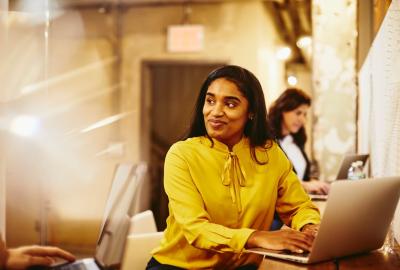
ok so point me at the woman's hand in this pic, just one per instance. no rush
(311, 229)
(316, 187)
(284, 239)
(24, 257)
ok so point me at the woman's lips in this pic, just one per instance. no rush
(297, 126)
(216, 124)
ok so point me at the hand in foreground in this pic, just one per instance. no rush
(285, 239)
(310, 229)
(24, 257)
(316, 187)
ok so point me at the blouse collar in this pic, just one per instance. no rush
(244, 141)
(233, 174)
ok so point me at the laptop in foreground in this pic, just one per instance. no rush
(116, 221)
(343, 230)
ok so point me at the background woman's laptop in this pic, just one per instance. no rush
(115, 226)
(343, 231)
(346, 163)
(342, 173)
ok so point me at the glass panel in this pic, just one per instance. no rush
(60, 117)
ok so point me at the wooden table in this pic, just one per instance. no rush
(375, 260)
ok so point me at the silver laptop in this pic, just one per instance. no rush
(343, 230)
(342, 173)
(115, 226)
(346, 163)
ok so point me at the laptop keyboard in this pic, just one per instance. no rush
(65, 266)
(304, 254)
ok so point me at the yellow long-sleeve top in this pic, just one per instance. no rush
(218, 198)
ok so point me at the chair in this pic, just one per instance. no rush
(142, 238)
(143, 223)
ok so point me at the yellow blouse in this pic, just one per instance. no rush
(217, 198)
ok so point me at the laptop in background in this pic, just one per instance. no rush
(342, 173)
(346, 164)
(343, 232)
(116, 220)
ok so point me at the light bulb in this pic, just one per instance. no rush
(292, 80)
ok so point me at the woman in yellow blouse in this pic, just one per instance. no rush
(226, 180)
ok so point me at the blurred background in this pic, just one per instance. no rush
(87, 84)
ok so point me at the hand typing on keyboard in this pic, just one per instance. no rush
(284, 239)
(311, 229)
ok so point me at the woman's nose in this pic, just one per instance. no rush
(218, 110)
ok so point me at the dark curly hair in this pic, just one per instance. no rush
(256, 130)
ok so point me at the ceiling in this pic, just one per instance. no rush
(292, 18)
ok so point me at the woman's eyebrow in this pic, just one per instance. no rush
(232, 98)
(225, 98)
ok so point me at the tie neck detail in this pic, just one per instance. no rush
(235, 177)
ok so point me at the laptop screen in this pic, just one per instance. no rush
(346, 163)
(115, 225)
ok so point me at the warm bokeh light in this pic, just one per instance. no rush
(303, 42)
(25, 125)
(104, 122)
(284, 53)
(292, 80)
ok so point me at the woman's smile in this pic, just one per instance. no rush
(217, 124)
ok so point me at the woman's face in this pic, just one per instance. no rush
(225, 112)
(294, 120)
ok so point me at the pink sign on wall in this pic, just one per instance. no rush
(185, 38)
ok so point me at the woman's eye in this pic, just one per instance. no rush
(231, 105)
(210, 101)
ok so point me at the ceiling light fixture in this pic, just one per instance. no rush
(292, 80)
(303, 42)
(283, 53)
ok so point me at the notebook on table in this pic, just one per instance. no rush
(343, 232)
(342, 173)
(116, 220)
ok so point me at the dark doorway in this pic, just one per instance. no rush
(170, 92)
